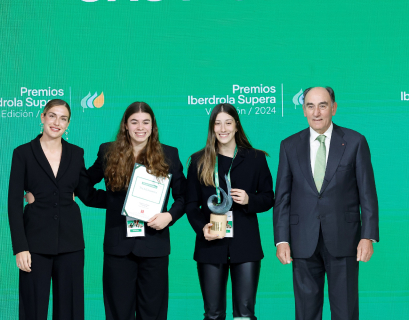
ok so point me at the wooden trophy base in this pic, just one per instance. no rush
(219, 222)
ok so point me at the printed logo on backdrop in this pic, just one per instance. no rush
(28, 102)
(249, 100)
(92, 101)
(298, 99)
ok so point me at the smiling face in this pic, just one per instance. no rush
(319, 109)
(225, 129)
(139, 126)
(55, 121)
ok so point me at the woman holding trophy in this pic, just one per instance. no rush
(135, 272)
(229, 182)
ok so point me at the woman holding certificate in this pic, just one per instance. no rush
(228, 166)
(47, 234)
(135, 275)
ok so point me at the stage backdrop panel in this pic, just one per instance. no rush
(182, 57)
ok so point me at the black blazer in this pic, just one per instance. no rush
(250, 173)
(52, 224)
(155, 243)
(346, 208)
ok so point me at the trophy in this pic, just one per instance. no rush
(218, 216)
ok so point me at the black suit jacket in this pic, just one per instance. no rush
(347, 205)
(52, 224)
(155, 243)
(250, 173)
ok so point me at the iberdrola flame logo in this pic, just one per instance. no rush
(298, 99)
(92, 101)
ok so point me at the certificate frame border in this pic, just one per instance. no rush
(137, 166)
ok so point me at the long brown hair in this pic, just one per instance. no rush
(120, 158)
(206, 163)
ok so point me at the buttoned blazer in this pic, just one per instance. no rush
(155, 243)
(346, 208)
(52, 224)
(250, 173)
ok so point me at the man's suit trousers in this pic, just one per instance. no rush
(309, 279)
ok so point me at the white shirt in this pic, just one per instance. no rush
(315, 144)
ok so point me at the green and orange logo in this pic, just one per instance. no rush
(93, 101)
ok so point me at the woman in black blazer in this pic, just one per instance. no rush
(251, 192)
(47, 235)
(135, 276)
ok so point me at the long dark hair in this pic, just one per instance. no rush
(120, 158)
(207, 161)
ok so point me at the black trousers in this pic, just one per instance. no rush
(213, 282)
(135, 287)
(67, 273)
(309, 279)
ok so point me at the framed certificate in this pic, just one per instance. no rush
(146, 194)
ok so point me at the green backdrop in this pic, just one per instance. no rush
(170, 54)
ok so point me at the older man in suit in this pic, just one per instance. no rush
(326, 211)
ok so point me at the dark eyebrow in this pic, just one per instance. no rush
(50, 112)
(141, 120)
(311, 104)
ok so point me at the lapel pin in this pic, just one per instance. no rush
(343, 144)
